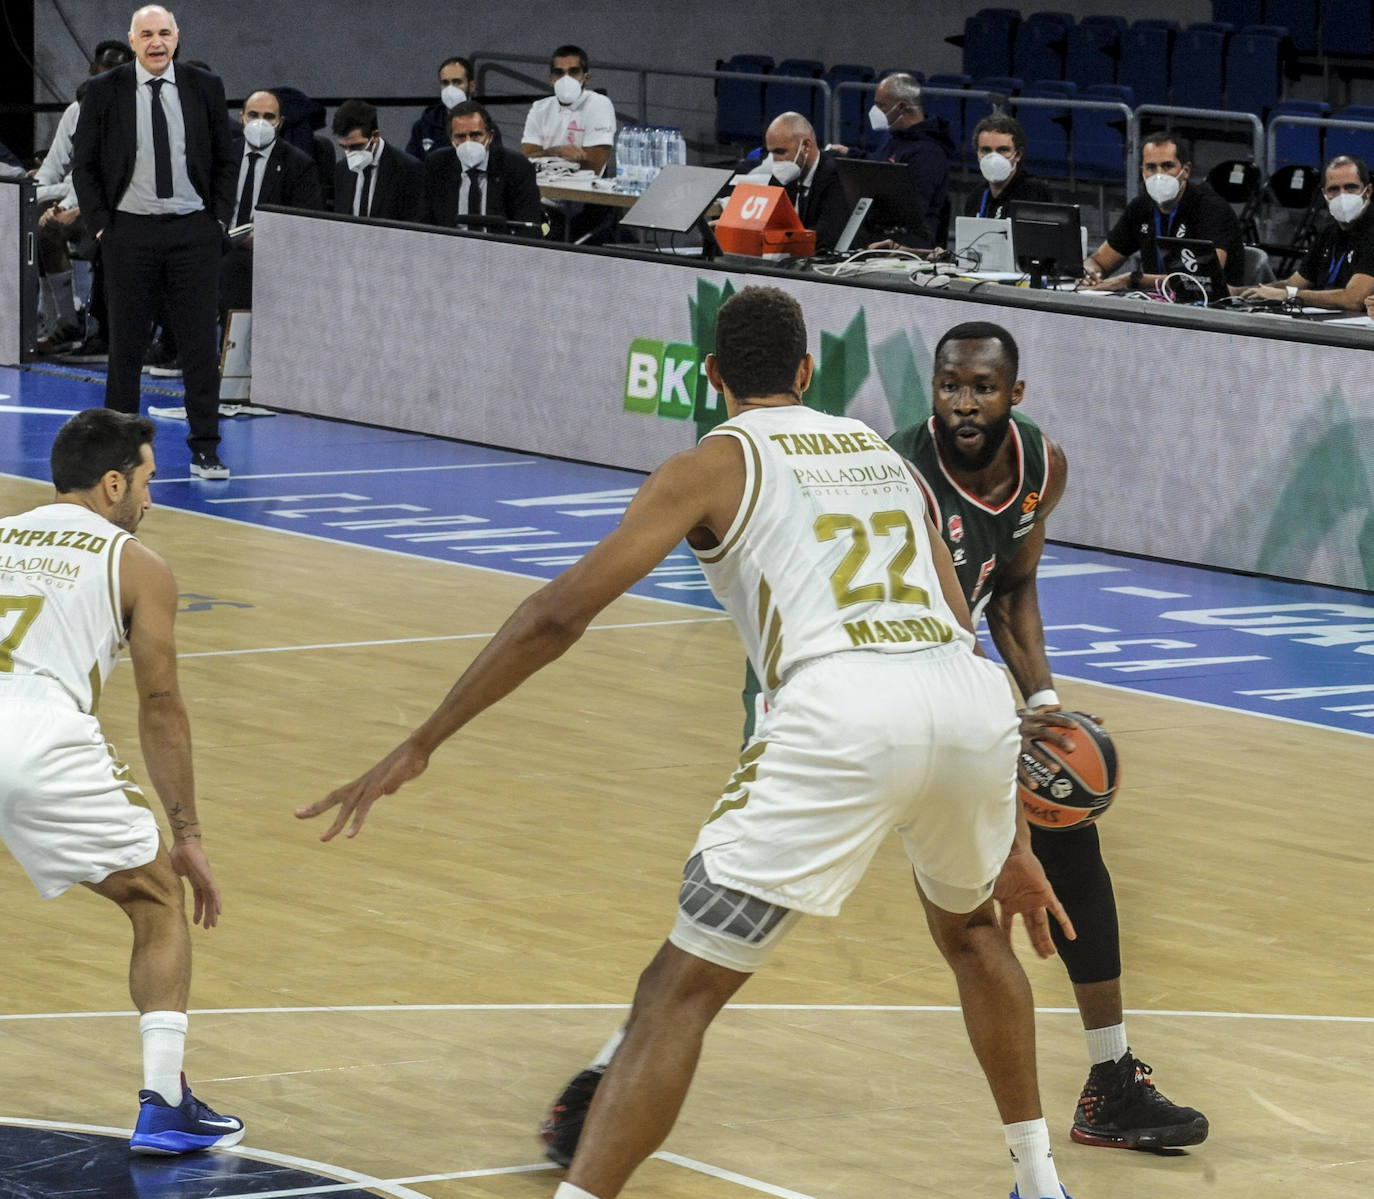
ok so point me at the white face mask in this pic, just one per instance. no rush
(259, 133)
(567, 89)
(878, 119)
(788, 171)
(995, 167)
(450, 96)
(1346, 207)
(1163, 188)
(359, 160)
(471, 154)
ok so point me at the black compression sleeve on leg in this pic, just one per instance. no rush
(1073, 863)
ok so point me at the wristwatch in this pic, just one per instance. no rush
(1135, 279)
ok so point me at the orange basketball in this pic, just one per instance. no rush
(1081, 789)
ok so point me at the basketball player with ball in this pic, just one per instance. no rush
(991, 478)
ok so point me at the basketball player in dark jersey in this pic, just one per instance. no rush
(991, 479)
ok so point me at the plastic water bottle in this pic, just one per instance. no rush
(677, 146)
(622, 166)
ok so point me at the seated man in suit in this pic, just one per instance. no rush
(430, 131)
(478, 178)
(374, 179)
(808, 176)
(271, 171)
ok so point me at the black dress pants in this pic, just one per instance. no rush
(167, 263)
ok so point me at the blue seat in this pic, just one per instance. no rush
(794, 97)
(850, 106)
(739, 103)
(1146, 51)
(1099, 137)
(1254, 73)
(1198, 68)
(1299, 17)
(1238, 12)
(949, 107)
(988, 38)
(1297, 145)
(1094, 48)
(1359, 142)
(1347, 27)
(1047, 129)
(1040, 46)
(976, 108)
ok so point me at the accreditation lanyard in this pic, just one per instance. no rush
(1338, 253)
(983, 207)
(1168, 232)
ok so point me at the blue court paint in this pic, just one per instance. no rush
(1289, 650)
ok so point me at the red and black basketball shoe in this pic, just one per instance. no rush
(1121, 1109)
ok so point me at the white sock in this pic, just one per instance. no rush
(603, 1058)
(566, 1190)
(1036, 1177)
(1106, 1044)
(164, 1046)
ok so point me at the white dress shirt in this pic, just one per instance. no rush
(141, 194)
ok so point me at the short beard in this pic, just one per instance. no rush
(993, 437)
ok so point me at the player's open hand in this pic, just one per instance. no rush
(1023, 890)
(1047, 725)
(189, 861)
(354, 799)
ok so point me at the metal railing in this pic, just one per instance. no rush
(1270, 139)
(1206, 114)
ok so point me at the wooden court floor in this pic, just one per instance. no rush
(390, 1005)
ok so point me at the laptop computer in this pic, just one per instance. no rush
(677, 198)
(984, 243)
(1197, 259)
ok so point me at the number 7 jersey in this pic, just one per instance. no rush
(828, 552)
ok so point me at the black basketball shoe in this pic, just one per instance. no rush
(1120, 1108)
(562, 1127)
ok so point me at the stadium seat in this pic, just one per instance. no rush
(1239, 12)
(1146, 51)
(1254, 76)
(1099, 136)
(1047, 129)
(1359, 142)
(1347, 27)
(1040, 45)
(739, 103)
(988, 38)
(976, 108)
(1299, 17)
(1094, 48)
(1237, 180)
(848, 107)
(794, 97)
(949, 107)
(1299, 145)
(1198, 68)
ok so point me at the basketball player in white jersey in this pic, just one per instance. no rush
(75, 587)
(814, 536)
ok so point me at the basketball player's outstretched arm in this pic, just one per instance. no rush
(697, 489)
(150, 606)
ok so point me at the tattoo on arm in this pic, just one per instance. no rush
(179, 822)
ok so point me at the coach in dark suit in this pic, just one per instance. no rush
(153, 164)
(476, 177)
(271, 171)
(374, 179)
(807, 174)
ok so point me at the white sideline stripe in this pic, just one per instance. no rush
(371, 470)
(896, 1008)
(291, 649)
(730, 1176)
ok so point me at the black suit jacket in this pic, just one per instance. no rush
(398, 187)
(824, 207)
(289, 177)
(106, 142)
(511, 187)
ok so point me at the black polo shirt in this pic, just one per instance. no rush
(1200, 214)
(1338, 253)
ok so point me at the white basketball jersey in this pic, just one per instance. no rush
(60, 609)
(828, 552)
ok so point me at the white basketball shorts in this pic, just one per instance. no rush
(854, 745)
(69, 811)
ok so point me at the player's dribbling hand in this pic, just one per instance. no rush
(1023, 890)
(1046, 724)
(189, 861)
(354, 799)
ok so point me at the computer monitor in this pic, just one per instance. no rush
(1048, 240)
(678, 198)
(984, 243)
(1198, 260)
(895, 207)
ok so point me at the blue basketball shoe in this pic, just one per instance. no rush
(185, 1128)
(1015, 1194)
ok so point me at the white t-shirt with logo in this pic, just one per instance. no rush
(588, 121)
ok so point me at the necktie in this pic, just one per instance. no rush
(162, 144)
(246, 199)
(365, 186)
(801, 200)
(475, 191)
